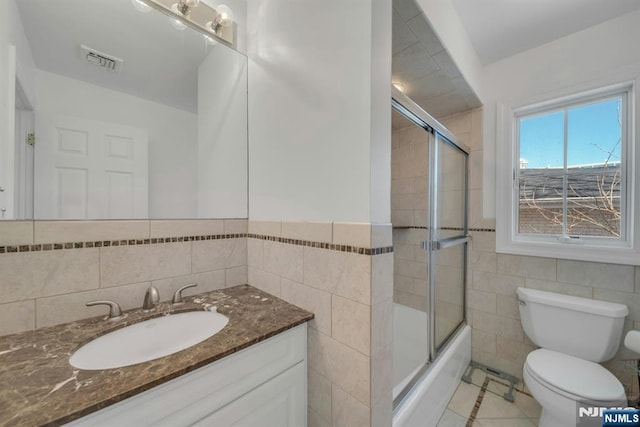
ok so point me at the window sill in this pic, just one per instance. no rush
(572, 251)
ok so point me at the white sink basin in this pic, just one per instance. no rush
(148, 340)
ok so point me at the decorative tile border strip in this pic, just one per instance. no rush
(478, 402)
(420, 227)
(107, 243)
(153, 241)
(322, 245)
(484, 388)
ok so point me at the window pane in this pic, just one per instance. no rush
(541, 173)
(593, 169)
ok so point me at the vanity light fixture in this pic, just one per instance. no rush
(210, 21)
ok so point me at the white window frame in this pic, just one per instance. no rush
(623, 250)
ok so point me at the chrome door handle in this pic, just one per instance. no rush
(436, 245)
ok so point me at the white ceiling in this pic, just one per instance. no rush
(160, 62)
(501, 28)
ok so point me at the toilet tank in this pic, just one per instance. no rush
(585, 328)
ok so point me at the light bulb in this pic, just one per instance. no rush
(183, 7)
(141, 6)
(225, 16)
(399, 87)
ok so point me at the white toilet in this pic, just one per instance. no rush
(574, 335)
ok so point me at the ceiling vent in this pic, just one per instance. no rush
(100, 59)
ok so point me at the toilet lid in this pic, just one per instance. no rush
(575, 376)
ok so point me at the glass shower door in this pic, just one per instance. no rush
(409, 206)
(448, 247)
(428, 212)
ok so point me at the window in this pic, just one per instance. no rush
(570, 174)
(569, 191)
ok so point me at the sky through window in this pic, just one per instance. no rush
(593, 136)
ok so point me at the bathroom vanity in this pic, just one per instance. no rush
(253, 371)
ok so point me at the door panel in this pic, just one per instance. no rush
(71, 193)
(449, 245)
(86, 169)
(409, 207)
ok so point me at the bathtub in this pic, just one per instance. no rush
(427, 400)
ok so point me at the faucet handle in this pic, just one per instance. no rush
(177, 297)
(114, 308)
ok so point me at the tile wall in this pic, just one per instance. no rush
(49, 269)
(350, 292)
(497, 336)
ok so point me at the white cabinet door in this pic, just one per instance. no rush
(86, 169)
(280, 402)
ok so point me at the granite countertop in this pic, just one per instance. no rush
(38, 386)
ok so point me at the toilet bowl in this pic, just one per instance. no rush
(560, 382)
(573, 333)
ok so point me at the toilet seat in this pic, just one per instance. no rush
(572, 377)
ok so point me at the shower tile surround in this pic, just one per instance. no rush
(340, 271)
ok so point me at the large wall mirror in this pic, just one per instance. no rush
(156, 130)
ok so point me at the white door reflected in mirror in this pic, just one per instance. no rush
(90, 169)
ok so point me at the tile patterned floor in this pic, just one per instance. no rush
(480, 404)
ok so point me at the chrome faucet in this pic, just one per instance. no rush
(177, 297)
(151, 298)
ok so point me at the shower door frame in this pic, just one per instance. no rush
(414, 113)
